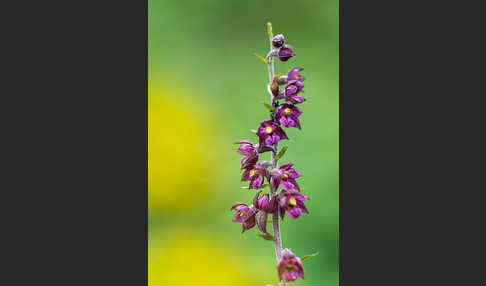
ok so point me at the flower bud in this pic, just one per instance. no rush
(285, 53)
(264, 203)
(278, 41)
(282, 80)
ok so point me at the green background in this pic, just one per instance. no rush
(205, 89)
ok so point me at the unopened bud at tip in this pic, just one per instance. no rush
(278, 41)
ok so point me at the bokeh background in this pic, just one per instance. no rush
(205, 89)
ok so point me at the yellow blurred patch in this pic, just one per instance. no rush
(177, 163)
(189, 258)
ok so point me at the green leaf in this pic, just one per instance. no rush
(261, 58)
(282, 152)
(271, 108)
(309, 256)
(269, 29)
(264, 186)
(266, 237)
(269, 220)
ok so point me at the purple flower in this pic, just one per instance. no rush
(270, 133)
(250, 152)
(244, 215)
(287, 174)
(287, 114)
(292, 90)
(289, 267)
(285, 53)
(294, 74)
(291, 201)
(246, 147)
(256, 176)
(265, 204)
(278, 41)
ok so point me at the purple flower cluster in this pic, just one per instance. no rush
(263, 174)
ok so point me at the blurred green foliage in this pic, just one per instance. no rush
(205, 93)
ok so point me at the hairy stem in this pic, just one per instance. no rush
(273, 188)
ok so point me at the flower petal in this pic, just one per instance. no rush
(294, 212)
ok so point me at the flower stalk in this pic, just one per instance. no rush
(273, 189)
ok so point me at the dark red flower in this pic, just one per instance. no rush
(244, 215)
(289, 267)
(250, 154)
(287, 114)
(270, 133)
(256, 176)
(292, 201)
